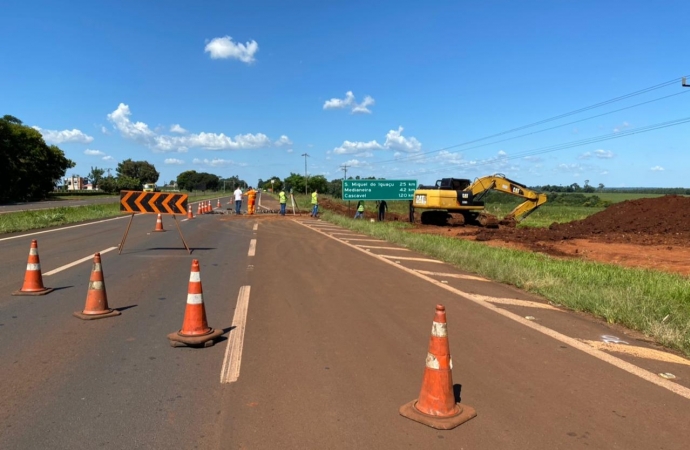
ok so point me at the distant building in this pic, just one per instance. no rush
(77, 183)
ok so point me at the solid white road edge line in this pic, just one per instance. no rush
(230, 370)
(60, 229)
(72, 264)
(252, 248)
(575, 343)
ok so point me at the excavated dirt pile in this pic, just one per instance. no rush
(654, 221)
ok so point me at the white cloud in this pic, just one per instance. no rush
(394, 141)
(284, 140)
(604, 154)
(173, 161)
(350, 102)
(177, 129)
(621, 127)
(657, 169)
(290, 150)
(108, 158)
(356, 163)
(64, 136)
(502, 153)
(216, 162)
(225, 47)
(141, 133)
(104, 130)
(94, 152)
(365, 155)
(585, 155)
(532, 158)
(605, 172)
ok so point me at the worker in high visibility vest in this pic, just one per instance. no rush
(360, 210)
(283, 201)
(314, 203)
(251, 201)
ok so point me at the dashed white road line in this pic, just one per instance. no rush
(407, 258)
(230, 370)
(256, 227)
(572, 342)
(363, 240)
(252, 248)
(60, 229)
(382, 248)
(452, 275)
(72, 264)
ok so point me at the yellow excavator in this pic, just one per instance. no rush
(460, 196)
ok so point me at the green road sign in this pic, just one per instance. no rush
(379, 189)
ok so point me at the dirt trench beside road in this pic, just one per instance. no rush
(652, 233)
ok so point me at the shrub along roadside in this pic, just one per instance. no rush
(654, 303)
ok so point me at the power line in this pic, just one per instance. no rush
(563, 146)
(306, 177)
(344, 169)
(550, 119)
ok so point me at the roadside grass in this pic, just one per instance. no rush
(64, 215)
(654, 303)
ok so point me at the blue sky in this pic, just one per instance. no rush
(246, 88)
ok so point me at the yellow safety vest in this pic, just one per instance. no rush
(361, 207)
(314, 201)
(282, 197)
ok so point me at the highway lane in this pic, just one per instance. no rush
(335, 343)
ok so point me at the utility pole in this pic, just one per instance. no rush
(685, 84)
(344, 169)
(306, 177)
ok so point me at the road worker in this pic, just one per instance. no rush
(314, 203)
(251, 201)
(283, 200)
(360, 210)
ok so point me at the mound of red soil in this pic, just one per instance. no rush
(659, 221)
(369, 211)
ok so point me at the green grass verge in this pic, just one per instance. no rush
(636, 298)
(64, 215)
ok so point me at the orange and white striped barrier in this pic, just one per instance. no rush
(96, 306)
(436, 406)
(33, 279)
(195, 330)
(159, 224)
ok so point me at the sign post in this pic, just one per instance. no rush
(389, 190)
(152, 203)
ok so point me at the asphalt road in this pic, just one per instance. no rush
(334, 342)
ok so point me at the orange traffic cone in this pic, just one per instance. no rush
(218, 204)
(96, 306)
(159, 224)
(198, 209)
(436, 405)
(33, 280)
(195, 330)
(190, 215)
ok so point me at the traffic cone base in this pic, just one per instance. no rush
(103, 315)
(463, 414)
(178, 339)
(43, 291)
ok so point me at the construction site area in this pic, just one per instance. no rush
(650, 233)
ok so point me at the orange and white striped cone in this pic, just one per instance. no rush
(96, 306)
(195, 330)
(218, 204)
(190, 215)
(198, 209)
(159, 224)
(33, 279)
(205, 210)
(436, 406)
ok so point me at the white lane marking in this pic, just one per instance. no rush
(184, 220)
(60, 229)
(407, 258)
(72, 264)
(452, 275)
(230, 370)
(362, 240)
(515, 302)
(347, 233)
(383, 248)
(573, 342)
(640, 352)
(256, 227)
(252, 248)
